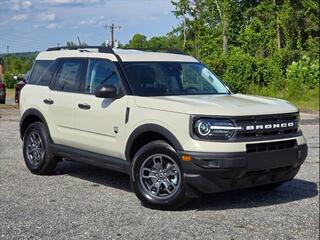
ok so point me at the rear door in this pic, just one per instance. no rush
(101, 121)
(62, 98)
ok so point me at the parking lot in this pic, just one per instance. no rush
(84, 202)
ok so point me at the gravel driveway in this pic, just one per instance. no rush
(84, 202)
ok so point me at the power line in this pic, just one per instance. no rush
(112, 29)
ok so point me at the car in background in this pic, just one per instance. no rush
(20, 85)
(2, 92)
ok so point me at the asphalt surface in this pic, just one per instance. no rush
(84, 202)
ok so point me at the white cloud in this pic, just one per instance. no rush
(26, 4)
(20, 17)
(151, 18)
(60, 2)
(52, 25)
(93, 21)
(3, 23)
(47, 17)
(15, 5)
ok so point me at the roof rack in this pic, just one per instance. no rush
(99, 48)
(103, 49)
(165, 50)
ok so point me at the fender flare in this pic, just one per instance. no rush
(32, 112)
(152, 128)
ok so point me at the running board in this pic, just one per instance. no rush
(95, 159)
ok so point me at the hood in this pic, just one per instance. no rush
(224, 105)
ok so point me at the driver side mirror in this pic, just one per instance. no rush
(106, 91)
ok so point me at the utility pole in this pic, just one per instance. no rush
(112, 29)
(7, 69)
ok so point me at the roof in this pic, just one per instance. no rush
(125, 55)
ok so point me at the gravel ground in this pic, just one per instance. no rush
(84, 202)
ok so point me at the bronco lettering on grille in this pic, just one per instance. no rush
(270, 126)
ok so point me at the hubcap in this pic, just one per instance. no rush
(35, 149)
(160, 176)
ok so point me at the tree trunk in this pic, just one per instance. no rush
(224, 30)
(184, 32)
(225, 38)
(278, 34)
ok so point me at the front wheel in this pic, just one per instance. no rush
(157, 176)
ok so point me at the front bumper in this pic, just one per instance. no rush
(219, 172)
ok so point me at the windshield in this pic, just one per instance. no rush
(172, 78)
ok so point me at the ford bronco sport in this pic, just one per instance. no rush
(163, 118)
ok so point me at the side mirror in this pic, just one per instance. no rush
(106, 91)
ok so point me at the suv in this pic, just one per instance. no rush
(2, 92)
(163, 118)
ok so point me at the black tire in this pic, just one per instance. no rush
(153, 150)
(2, 101)
(47, 162)
(269, 187)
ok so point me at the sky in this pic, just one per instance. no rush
(35, 25)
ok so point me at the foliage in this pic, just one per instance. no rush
(268, 47)
(138, 41)
(304, 72)
(9, 80)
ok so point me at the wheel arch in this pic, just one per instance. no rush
(30, 116)
(147, 133)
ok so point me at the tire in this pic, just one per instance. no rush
(36, 149)
(157, 176)
(3, 101)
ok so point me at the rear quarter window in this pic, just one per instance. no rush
(42, 72)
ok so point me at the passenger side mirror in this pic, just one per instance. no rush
(106, 91)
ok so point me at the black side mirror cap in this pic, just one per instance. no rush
(106, 91)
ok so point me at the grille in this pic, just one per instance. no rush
(271, 146)
(264, 121)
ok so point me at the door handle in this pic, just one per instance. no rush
(84, 106)
(48, 101)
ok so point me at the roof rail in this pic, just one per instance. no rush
(99, 48)
(165, 50)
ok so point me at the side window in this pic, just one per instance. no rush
(39, 70)
(69, 75)
(100, 72)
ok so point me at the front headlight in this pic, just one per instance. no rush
(210, 128)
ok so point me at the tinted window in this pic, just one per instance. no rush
(69, 75)
(172, 78)
(101, 72)
(40, 68)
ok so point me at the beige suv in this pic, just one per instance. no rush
(163, 118)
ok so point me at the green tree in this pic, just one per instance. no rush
(138, 41)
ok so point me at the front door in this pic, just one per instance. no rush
(100, 121)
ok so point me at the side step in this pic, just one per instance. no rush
(95, 159)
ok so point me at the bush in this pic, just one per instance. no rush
(9, 80)
(304, 72)
(243, 71)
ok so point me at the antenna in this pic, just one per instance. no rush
(79, 41)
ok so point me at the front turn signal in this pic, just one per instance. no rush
(186, 158)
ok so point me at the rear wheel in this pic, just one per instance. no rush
(36, 149)
(157, 176)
